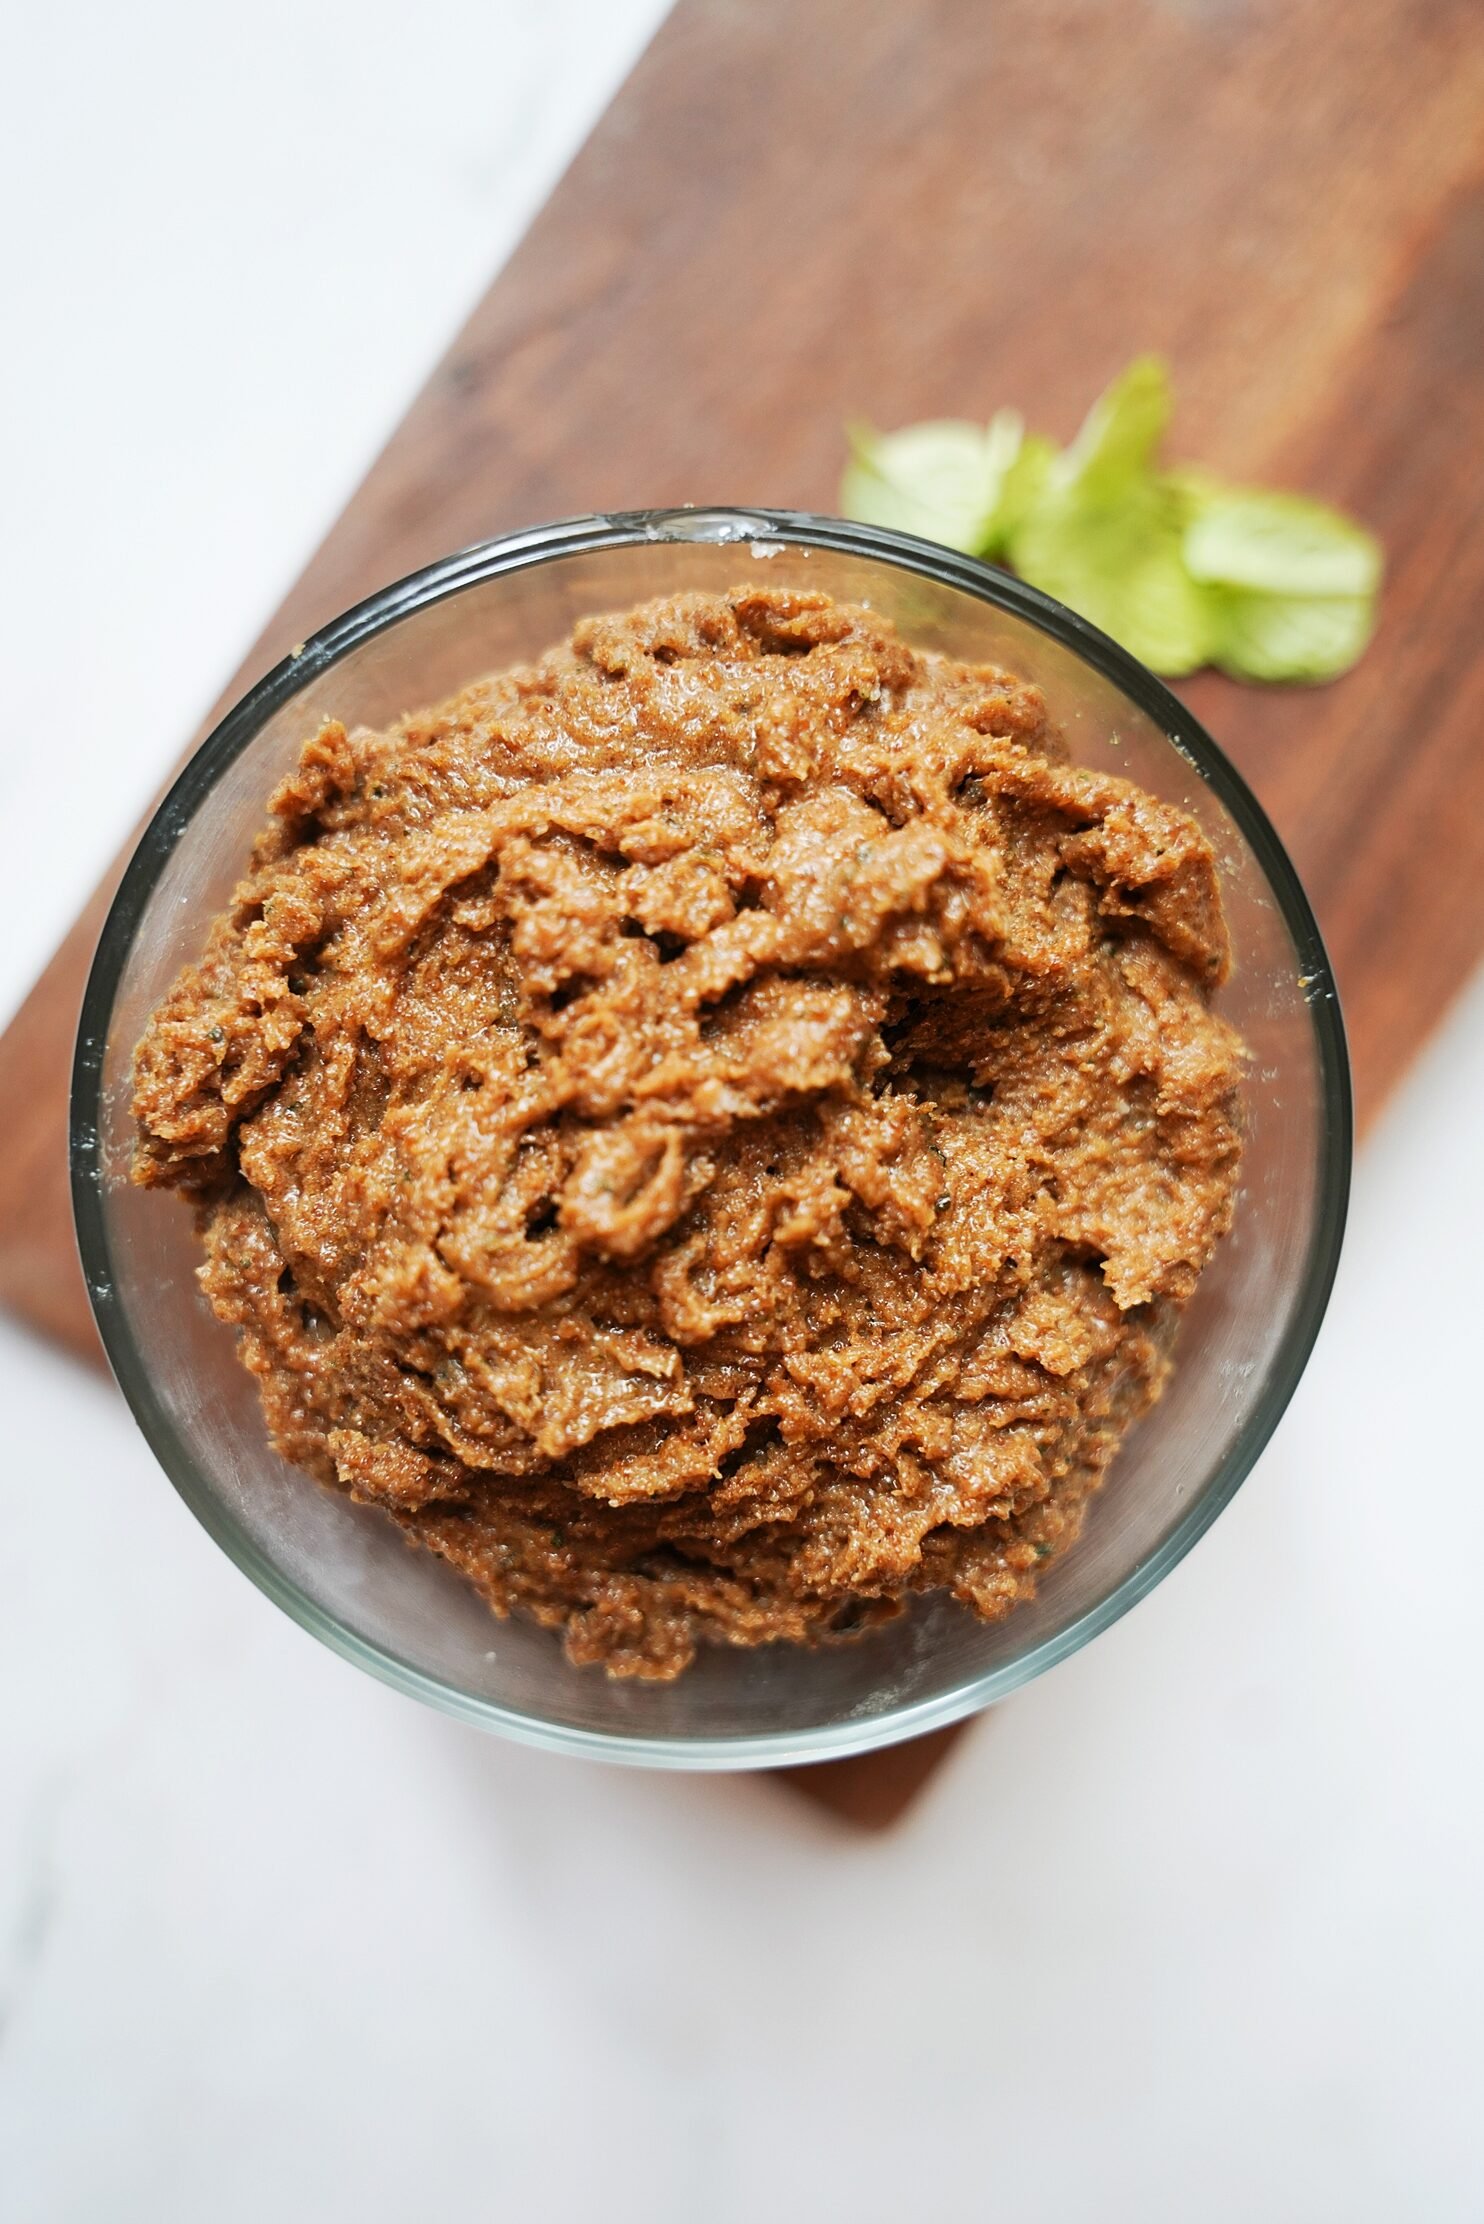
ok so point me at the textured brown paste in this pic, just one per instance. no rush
(711, 1131)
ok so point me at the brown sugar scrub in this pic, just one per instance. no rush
(712, 1131)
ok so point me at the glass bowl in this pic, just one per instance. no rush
(343, 1570)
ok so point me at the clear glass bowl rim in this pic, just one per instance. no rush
(546, 544)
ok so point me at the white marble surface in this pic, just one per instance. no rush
(1190, 1930)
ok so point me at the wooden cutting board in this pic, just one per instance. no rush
(800, 209)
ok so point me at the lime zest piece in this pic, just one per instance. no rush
(1290, 637)
(1180, 568)
(1119, 565)
(1282, 544)
(1021, 489)
(1121, 433)
(941, 479)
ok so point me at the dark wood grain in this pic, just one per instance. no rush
(797, 209)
